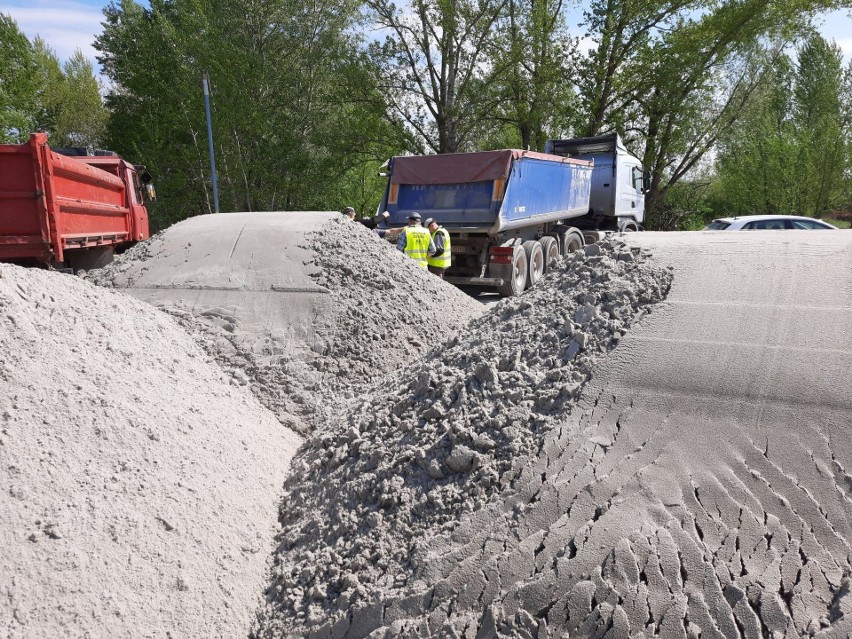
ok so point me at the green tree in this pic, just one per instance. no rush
(37, 94)
(51, 86)
(435, 69)
(819, 120)
(533, 81)
(18, 83)
(789, 153)
(675, 76)
(753, 173)
(294, 103)
(610, 72)
(79, 117)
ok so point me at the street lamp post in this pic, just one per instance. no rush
(206, 85)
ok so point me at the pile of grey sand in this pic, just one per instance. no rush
(139, 484)
(371, 493)
(361, 311)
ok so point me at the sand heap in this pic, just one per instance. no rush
(388, 309)
(307, 309)
(449, 437)
(698, 487)
(139, 484)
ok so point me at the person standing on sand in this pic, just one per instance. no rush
(415, 241)
(440, 262)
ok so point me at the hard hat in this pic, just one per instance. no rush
(348, 209)
(429, 220)
(414, 216)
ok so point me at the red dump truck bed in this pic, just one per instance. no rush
(56, 208)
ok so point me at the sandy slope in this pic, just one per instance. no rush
(564, 471)
(138, 485)
(303, 307)
(405, 467)
(700, 487)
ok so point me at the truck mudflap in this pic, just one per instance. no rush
(475, 281)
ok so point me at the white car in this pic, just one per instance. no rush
(768, 223)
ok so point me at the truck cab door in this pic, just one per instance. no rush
(631, 187)
(137, 206)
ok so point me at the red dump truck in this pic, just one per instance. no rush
(67, 209)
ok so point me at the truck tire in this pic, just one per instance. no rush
(515, 278)
(551, 252)
(535, 261)
(572, 241)
(627, 225)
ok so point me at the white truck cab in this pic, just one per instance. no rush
(619, 182)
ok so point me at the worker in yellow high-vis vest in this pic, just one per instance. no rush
(440, 262)
(415, 241)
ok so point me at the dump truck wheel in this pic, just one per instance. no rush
(572, 241)
(551, 252)
(535, 261)
(515, 279)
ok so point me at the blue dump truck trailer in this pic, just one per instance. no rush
(507, 211)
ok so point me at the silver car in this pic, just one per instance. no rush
(768, 223)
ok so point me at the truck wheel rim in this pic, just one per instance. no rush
(520, 272)
(552, 257)
(537, 265)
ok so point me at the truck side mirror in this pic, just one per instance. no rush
(646, 181)
(149, 190)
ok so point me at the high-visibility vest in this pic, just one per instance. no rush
(444, 259)
(417, 244)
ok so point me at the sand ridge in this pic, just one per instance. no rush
(375, 490)
(307, 309)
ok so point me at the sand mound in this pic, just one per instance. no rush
(307, 309)
(371, 494)
(698, 486)
(139, 485)
(388, 310)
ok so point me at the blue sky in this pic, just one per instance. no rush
(70, 24)
(66, 25)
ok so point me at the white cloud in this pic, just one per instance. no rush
(837, 25)
(845, 45)
(65, 25)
